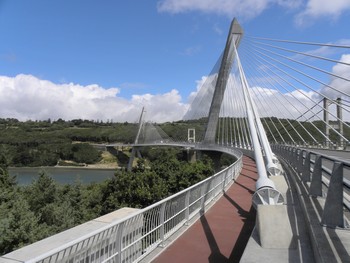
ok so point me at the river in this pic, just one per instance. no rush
(62, 175)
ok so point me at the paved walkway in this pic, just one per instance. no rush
(221, 234)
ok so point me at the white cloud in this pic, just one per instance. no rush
(218, 30)
(164, 107)
(230, 8)
(296, 104)
(200, 99)
(190, 51)
(27, 97)
(326, 7)
(317, 8)
(339, 84)
(306, 10)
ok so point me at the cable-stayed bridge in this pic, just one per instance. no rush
(286, 105)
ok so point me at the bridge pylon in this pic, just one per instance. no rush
(135, 148)
(233, 39)
(339, 126)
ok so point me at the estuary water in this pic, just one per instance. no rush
(62, 175)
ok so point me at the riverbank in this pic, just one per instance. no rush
(108, 161)
(102, 166)
(62, 175)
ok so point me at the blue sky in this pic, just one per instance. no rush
(151, 49)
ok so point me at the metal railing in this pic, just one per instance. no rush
(327, 176)
(135, 236)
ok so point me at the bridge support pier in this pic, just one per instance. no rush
(135, 150)
(192, 155)
(274, 231)
(272, 220)
(326, 119)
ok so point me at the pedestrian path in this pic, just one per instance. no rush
(221, 234)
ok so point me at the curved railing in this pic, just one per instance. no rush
(134, 237)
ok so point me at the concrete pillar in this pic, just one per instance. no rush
(306, 168)
(191, 155)
(235, 35)
(340, 122)
(275, 231)
(326, 118)
(316, 180)
(333, 215)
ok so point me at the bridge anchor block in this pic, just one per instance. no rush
(274, 227)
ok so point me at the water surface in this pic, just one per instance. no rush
(27, 175)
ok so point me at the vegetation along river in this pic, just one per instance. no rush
(62, 175)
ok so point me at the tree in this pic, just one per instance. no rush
(18, 225)
(41, 193)
(134, 189)
(6, 180)
(85, 153)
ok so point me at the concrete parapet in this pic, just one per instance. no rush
(43, 246)
(329, 244)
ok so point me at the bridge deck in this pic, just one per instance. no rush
(221, 234)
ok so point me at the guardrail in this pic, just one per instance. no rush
(134, 237)
(328, 176)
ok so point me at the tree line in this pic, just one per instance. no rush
(44, 143)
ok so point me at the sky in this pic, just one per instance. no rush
(105, 60)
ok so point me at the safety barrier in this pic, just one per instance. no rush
(327, 176)
(134, 237)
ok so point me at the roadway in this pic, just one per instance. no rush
(340, 155)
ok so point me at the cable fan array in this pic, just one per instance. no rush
(302, 96)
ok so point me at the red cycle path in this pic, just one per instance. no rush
(221, 234)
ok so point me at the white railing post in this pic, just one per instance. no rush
(162, 223)
(187, 204)
(119, 244)
(202, 206)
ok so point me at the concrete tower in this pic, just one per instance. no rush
(235, 34)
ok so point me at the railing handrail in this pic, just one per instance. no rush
(234, 152)
(334, 159)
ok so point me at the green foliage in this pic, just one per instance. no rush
(139, 189)
(44, 143)
(41, 193)
(28, 214)
(18, 224)
(226, 160)
(85, 153)
(6, 180)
